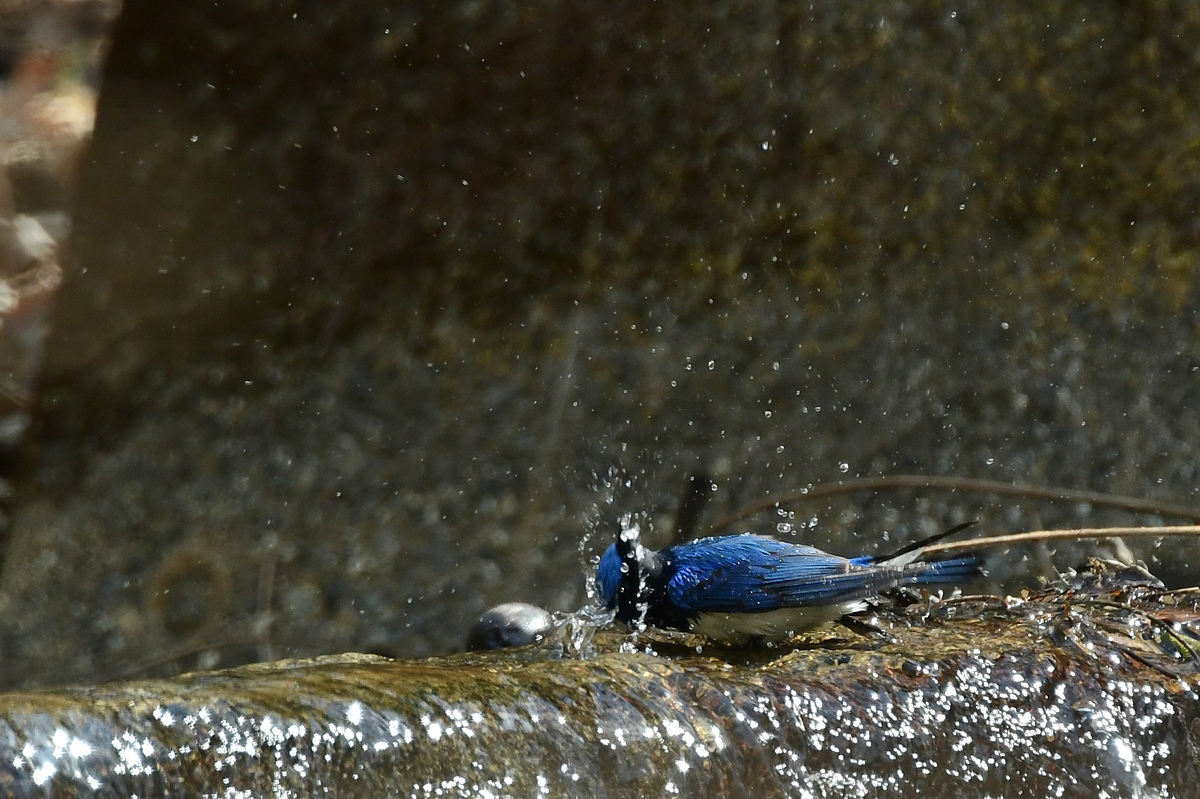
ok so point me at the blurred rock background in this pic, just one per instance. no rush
(372, 315)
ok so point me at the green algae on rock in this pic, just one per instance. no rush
(1088, 686)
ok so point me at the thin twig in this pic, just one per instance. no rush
(938, 550)
(968, 484)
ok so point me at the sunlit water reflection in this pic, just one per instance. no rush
(980, 697)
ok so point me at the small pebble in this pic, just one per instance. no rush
(508, 625)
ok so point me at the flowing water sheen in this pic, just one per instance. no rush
(1083, 690)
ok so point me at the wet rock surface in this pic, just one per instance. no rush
(372, 314)
(1086, 689)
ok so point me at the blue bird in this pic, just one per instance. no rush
(738, 588)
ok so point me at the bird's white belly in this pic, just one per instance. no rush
(769, 625)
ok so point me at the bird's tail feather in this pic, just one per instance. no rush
(911, 553)
(860, 584)
(949, 570)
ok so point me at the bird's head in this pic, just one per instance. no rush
(623, 567)
(608, 576)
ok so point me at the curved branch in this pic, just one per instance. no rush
(1051, 535)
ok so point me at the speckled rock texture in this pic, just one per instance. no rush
(373, 313)
(1088, 689)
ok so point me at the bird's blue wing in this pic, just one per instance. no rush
(749, 573)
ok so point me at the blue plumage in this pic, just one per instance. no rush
(735, 588)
